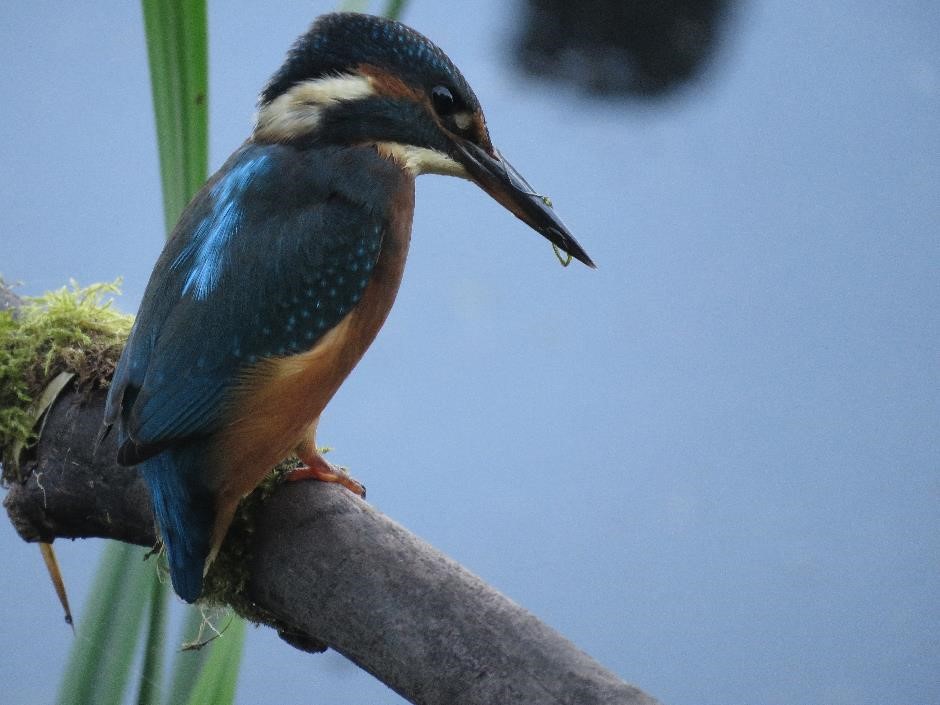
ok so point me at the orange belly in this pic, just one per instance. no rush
(280, 400)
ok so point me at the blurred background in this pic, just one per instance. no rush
(713, 462)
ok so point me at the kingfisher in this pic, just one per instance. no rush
(283, 268)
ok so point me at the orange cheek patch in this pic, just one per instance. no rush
(478, 125)
(387, 85)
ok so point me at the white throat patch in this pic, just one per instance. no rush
(422, 160)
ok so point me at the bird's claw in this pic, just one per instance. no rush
(327, 472)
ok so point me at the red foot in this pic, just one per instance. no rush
(326, 472)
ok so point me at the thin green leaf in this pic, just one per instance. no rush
(100, 664)
(394, 8)
(188, 664)
(177, 37)
(51, 393)
(353, 5)
(38, 408)
(151, 677)
(219, 676)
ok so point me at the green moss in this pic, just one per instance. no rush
(227, 579)
(75, 330)
(226, 582)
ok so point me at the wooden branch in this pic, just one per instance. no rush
(328, 565)
(329, 568)
(72, 491)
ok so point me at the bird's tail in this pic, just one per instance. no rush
(185, 513)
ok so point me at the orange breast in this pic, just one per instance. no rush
(281, 400)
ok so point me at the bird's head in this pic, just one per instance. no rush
(359, 79)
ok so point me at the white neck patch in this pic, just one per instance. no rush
(299, 109)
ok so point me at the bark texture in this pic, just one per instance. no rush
(329, 570)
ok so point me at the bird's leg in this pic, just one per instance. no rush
(316, 467)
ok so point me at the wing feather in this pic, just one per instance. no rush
(269, 257)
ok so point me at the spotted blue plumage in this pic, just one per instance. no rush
(275, 250)
(295, 249)
(204, 256)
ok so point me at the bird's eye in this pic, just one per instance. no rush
(443, 100)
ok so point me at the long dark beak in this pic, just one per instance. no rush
(498, 178)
